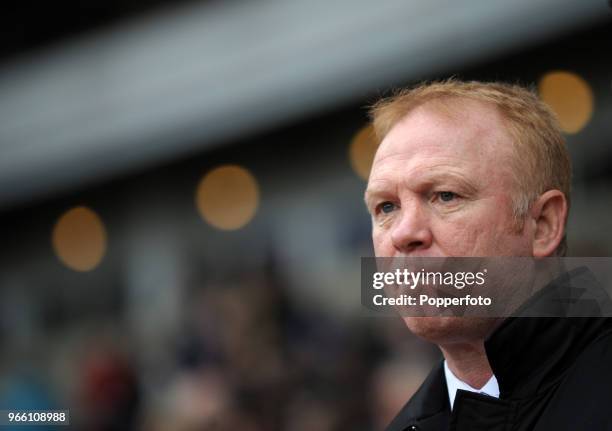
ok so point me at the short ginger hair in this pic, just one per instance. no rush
(541, 161)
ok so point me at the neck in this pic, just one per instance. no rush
(468, 361)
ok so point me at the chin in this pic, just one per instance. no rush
(450, 330)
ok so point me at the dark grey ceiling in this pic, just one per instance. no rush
(182, 80)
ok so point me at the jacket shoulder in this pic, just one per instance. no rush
(584, 396)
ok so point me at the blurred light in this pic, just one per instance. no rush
(79, 239)
(570, 96)
(227, 197)
(362, 150)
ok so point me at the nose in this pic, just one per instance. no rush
(412, 231)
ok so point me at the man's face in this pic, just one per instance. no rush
(441, 185)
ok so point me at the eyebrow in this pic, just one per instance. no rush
(380, 189)
(370, 193)
(436, 178)
(427, 179)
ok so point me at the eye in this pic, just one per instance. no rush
(446, 196)
(386, 207)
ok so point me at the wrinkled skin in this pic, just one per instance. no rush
(441, 185)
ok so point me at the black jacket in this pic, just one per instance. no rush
(554, 373)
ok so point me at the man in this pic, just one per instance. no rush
(481, 169)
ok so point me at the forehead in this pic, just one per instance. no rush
(465, 136)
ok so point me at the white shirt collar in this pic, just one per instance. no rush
(490, 388)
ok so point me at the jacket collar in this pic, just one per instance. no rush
(528, 353)
(429, 406)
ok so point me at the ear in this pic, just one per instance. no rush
(549, 213)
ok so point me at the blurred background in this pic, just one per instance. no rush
(181, 188)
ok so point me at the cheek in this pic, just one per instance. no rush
(457, 239)
(381, 243)
(497, 241)
(481, 231)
